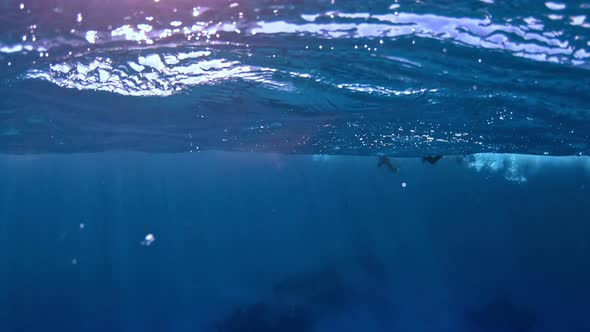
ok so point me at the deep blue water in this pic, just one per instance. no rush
(294, 166)
(337, 238)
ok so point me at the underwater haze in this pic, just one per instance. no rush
(294, 166)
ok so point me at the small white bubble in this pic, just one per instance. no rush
(148, 240)
(404, 184)
(79, 17)
(479, 60)
(74, 261)
(22, 6)
(82, 226)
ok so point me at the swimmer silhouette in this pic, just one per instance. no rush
(384, 161)
(432, 159)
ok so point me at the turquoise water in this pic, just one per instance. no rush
(294, 166)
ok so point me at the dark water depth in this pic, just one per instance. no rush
(255, 242)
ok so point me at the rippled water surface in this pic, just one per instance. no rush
(408, 78)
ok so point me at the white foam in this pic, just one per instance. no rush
(153, 61)
(91, 36)
(555, 5)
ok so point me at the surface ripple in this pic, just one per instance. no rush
(321, 77)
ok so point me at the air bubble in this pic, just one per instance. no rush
(148, 240)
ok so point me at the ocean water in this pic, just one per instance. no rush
(294, 166)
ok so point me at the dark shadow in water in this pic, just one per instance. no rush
(301, 300)
(371, 265)
(323, 290)
(261, 317)
(326, 293)
(501, 315)
(385, 161)
(432, 160)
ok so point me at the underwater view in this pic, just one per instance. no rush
(295, 165)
